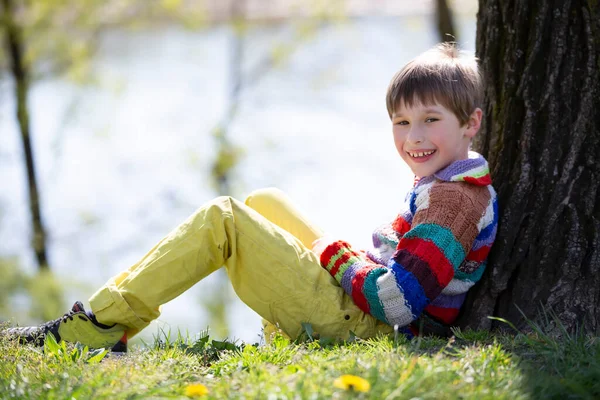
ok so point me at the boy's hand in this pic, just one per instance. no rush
(319, 245)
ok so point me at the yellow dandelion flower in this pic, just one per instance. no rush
(352, 383)
(196, 390)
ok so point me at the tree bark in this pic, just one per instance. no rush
(14, 46)
(541, 137)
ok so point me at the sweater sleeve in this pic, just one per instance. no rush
(443, 230)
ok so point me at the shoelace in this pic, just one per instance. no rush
(54, 323)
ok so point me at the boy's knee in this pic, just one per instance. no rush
(262, 197)
(218, 205)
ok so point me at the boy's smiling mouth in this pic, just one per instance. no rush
(420, 154)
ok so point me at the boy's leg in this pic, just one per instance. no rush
(277, 207)
(271, 270)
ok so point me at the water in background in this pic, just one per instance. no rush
(122, 164)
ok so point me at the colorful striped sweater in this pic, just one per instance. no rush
(425, 261)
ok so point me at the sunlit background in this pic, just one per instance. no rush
(140, 113)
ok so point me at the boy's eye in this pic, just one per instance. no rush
(402, 123)
(431, 119)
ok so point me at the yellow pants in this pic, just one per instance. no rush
(264, 245)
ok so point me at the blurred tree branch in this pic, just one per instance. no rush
(445, 21)
(18, 68)
(52, 37)
(228, 154)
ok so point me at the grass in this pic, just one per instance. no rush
(472, 365)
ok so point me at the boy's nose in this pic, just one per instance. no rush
(415, 136)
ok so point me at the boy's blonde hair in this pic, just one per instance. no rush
(442, 75)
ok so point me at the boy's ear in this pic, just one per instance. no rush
(474, 123)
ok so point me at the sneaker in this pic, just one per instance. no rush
(75, 326)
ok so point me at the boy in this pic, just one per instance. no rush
(416, 277)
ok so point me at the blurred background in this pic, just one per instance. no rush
(118, 118)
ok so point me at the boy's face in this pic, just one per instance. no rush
(430, 137)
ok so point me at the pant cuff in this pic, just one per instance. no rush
(109, 307)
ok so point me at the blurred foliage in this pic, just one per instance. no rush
(322, 14)
(43, 290)
(13, 281)
(46, 293)
(227, 157)
(60, 36)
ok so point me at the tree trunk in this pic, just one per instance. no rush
(541, 137)
(14, 46)
(444, 21)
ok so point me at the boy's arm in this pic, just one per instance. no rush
(444, 228)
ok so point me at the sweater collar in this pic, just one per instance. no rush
(474, 170)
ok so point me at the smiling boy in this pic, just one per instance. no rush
(414, 278)
(426, 260)
(433, 103)
(429, 138)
